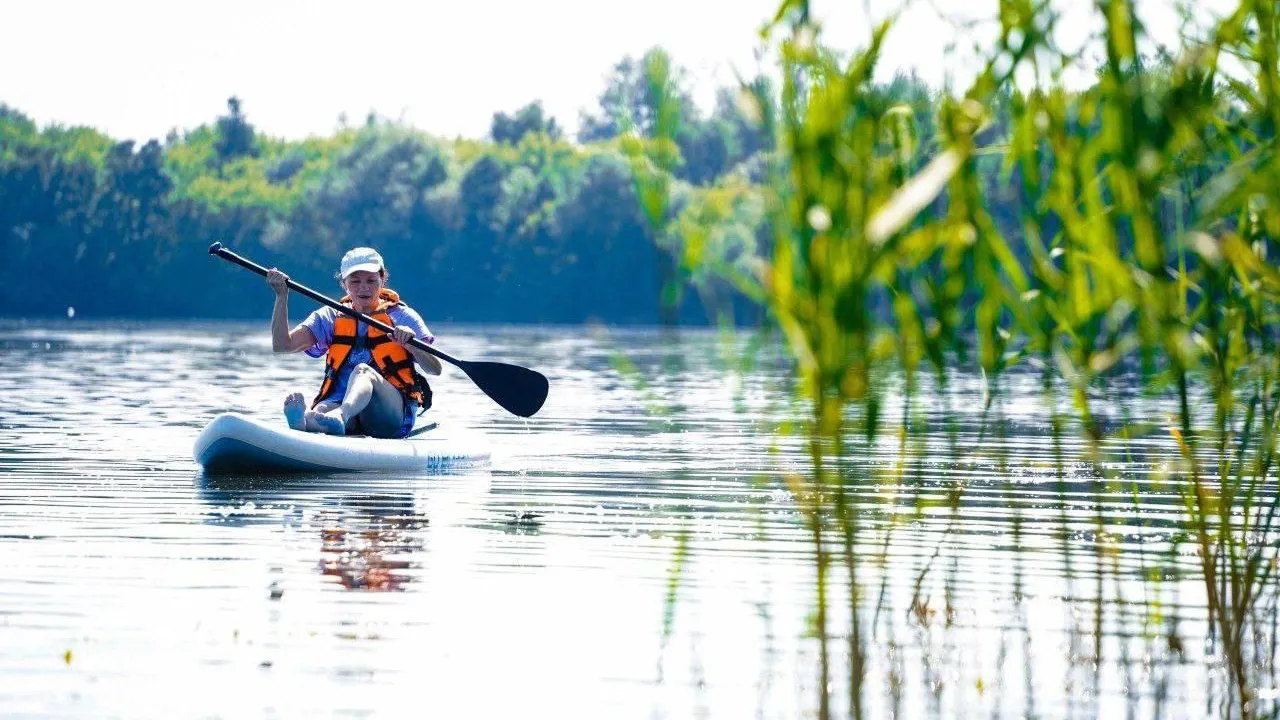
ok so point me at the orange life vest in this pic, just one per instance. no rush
(390, 358)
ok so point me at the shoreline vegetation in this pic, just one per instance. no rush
(525, 226)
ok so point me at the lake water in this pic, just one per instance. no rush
(668, 573)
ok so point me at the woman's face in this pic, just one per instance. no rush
(363, 287)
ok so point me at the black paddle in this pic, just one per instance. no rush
(519, 390)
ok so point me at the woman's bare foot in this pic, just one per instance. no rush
(295, 410)
(330, 423)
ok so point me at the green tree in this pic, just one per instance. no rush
(748, 111)
(630, 100)
(372, 194)
(531, 118)
(236, 137)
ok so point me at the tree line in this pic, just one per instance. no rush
(523, 226)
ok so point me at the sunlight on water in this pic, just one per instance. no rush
(136, 586)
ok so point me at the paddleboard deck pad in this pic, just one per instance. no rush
(233, 444)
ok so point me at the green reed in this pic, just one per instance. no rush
(1143, 243)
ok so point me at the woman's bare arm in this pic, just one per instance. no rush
(429, 362)
(282, 338)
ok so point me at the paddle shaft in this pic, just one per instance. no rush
(225, 254)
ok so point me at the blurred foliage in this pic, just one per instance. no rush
(528, 120)
(1124, 230)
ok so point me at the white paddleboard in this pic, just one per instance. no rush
(234, 443)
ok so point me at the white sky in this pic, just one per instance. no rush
(136, 68)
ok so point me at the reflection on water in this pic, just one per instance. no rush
(640, 549)
(371, 559)
(366, 541)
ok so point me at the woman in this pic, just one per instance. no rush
(370, 384)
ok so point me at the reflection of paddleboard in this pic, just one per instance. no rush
(233, 443)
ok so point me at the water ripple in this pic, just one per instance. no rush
(639, 550)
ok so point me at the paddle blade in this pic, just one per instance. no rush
(519, 390)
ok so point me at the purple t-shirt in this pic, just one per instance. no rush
(320, 323)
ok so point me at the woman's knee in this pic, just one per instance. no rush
(365, 370)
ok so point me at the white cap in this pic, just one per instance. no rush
(361, 258)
